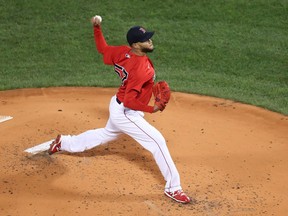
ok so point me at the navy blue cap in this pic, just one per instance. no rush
(138, 34)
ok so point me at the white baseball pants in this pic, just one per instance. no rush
(132, 123)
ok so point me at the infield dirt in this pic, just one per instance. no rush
(232, 158)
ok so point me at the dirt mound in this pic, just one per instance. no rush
(232, 158)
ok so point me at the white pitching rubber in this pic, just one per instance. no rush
(5, 118)
(39, 148)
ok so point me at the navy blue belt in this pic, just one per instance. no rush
(118, 101)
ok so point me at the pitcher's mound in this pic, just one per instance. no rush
(232, 158)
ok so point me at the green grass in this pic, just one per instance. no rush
(234, 49)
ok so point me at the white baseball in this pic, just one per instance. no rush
(98, 17)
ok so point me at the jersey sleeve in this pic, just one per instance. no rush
(131, 101)
(109, 52)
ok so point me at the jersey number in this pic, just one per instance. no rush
(122, 73)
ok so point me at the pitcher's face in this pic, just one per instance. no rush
(146, 46)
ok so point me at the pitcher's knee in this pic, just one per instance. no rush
(159, 147)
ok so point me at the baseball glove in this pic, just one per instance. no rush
(161, 92)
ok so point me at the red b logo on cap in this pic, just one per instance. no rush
(143, 30)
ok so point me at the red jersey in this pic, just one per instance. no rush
(136, 72)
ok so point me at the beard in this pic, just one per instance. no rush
(147, 50)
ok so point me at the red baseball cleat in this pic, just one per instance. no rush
(55, 146)
(178, 196)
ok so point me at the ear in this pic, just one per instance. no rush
(135, 45)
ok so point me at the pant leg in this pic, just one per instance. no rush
(88, 139)
(151, 139)
(92, 138)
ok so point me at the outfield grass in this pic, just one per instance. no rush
(234, 49)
